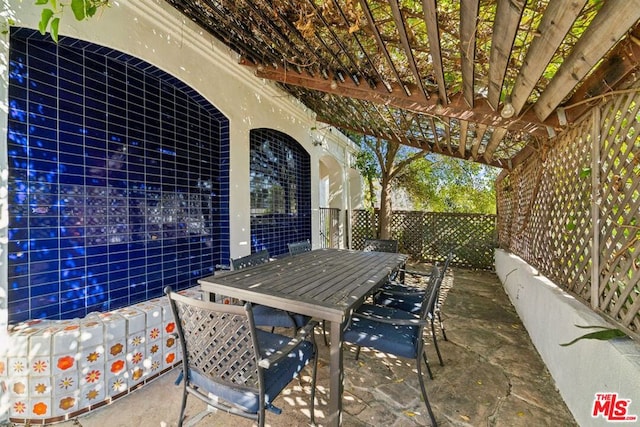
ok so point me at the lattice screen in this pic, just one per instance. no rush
(428, 236)
(547, 206)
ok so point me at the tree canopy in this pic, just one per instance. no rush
(433, 182)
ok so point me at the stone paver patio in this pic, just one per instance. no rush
(492, 376)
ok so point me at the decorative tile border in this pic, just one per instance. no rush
(54, 370)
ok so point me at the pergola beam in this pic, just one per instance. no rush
(381, 45)
(508, 15)
(433, 33)
(404, 40)
(418, 144)
(620, 65)
(456, 109)
(556, 23)
(468, 22)
(611, 23)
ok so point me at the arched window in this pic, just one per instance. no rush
(118, 180)
(280, 186)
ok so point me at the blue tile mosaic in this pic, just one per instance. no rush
(280, 182)
(108, 156)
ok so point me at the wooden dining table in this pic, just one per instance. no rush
(326, 284)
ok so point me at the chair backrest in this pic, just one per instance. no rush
(431, 295)
(218, 341)
(447, 262)
(380, 245)
(250, 260)
(299, 247)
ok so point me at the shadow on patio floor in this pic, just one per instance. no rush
(492, 376)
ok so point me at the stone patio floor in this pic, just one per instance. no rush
(492, 376)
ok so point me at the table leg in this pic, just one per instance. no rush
(335, 375)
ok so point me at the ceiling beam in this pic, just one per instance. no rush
(420, 144)
(475, 148)
(404, 39)
(505, 27)
(434, 130)
(433, 33)
(614, 71)
(462, 146)
(457, 107)
(613, 20)
(338, 42)
(554, 26)
(381, 46)
(468, 22)
(496, 137)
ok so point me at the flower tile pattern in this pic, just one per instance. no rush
(69, 366)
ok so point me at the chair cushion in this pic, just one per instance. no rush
(410, 303)
(269, 316)
(276, 378)
(387, 312)
(398, 340)
(397, 287)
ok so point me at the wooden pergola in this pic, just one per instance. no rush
(486, 81)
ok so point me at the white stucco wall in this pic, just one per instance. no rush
(584, 368)
(155, 31)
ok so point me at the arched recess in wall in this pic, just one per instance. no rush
(332, 203)
(118, 180)
(280, 186)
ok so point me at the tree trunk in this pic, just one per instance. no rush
(385, 210)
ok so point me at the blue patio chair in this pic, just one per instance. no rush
(232, 366)
(396, 332)
(409, 298)
(263, 315)
(385, 245)
(380, 245)
(299, 247)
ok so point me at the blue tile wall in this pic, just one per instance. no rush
(280, 183)
(118, 180)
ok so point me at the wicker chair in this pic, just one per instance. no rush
(299, 247)
(263, 315)
(396, 332)
(231, 365)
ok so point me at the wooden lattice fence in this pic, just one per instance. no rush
(428, 236)
(580, 193)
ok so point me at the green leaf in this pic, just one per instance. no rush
(585, 172)
(41, 2)
(571, 226)
(44, 20)
(79, 10)
(604, 334)
(91, 10)
(54, 29)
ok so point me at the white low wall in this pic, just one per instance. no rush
(585, 368)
